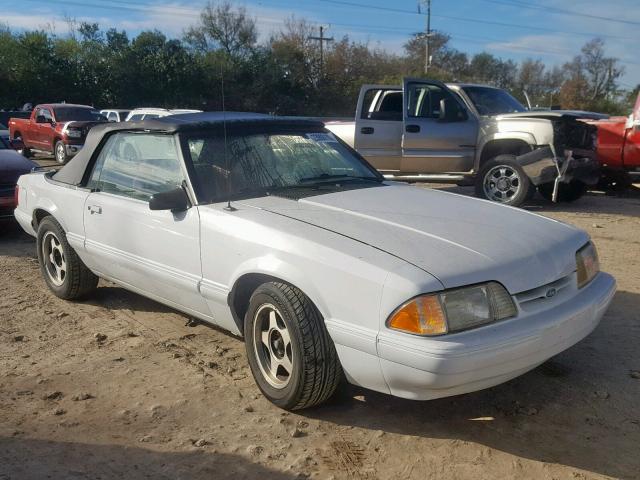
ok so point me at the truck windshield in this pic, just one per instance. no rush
(274, 163)
(78, 114)
(493, 101)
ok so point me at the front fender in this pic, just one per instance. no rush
(525, 137)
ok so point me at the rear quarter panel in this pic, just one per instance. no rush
(65, 203)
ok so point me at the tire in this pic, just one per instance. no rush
(503, 180)
(63, 271)
(25, 152)
(567, 192)
(292, 358)
(60, 152)
(614, 180)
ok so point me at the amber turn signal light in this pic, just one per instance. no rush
(421, 316)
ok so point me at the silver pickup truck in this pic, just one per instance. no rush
(473, 135)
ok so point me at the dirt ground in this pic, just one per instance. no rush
(123, 387)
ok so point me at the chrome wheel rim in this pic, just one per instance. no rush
(501, 183)
(272, 346)
(55, 262)
(60, 153)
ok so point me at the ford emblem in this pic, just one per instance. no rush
(550, 293)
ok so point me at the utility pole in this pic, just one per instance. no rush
(427, 55)
(321, 39)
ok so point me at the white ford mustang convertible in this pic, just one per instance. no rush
(275, 230)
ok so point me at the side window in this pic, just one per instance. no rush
(426, 101)
(136, 117)
(382, 104)
(112, 117)
(45, 114)
(137, 165)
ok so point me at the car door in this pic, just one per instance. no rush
(439, 134)
(154, 252)
(378, 128)
(44, 118)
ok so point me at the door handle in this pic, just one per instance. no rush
(412, 128)
(94, 209)
(367, 130)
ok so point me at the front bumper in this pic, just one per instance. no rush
(543, 166)
(423, 368)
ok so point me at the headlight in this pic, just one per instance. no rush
(74, 133)
(453, 310)
(587, 264)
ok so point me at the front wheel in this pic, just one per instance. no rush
(567, 192)
(292, 358)
(503, 180)
(60, 151)
(63, 271)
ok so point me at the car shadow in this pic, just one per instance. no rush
(14, 241)
(113, 297)
(567, 411)
(33, 458)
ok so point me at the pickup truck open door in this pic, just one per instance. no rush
(439, 134)
(378, 129)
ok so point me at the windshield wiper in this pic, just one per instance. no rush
(328, 178)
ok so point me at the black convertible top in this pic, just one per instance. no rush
(73, 172)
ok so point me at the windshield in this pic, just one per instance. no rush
(79, 114)
(493, 101)
(275, 163)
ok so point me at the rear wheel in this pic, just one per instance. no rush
(567, 192)
(26, 152)
(63, 271)
(291, 355)
(60, 152)
(503, 180)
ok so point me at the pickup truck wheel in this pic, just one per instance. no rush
(60, 151)
(567, 192)
(503, 180)
(291, 355)
(63, 271)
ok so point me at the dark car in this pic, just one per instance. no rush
(4, 136)
(12, 165)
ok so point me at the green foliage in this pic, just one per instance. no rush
(283, 75)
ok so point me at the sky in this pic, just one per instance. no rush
(549, 30)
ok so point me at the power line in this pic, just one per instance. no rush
(560, 11)
(471, 20)
(180, 11)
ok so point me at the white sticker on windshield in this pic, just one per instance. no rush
(321, 137)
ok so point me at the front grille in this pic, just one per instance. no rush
(545, 293)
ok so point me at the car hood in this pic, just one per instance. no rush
(457, 239)
(12, 165)
(554, 114)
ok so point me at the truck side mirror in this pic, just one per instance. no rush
(175, 200)
(41, 119)
(443, 110)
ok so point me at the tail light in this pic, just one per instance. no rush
(16, 195)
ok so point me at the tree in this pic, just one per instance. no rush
(222, 27)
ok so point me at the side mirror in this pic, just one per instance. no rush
(175, 200)
(443, 110)
(41, 119)
(452, 113)
(16, 144)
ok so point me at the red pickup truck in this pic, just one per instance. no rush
(619, 147)
(57, 128)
